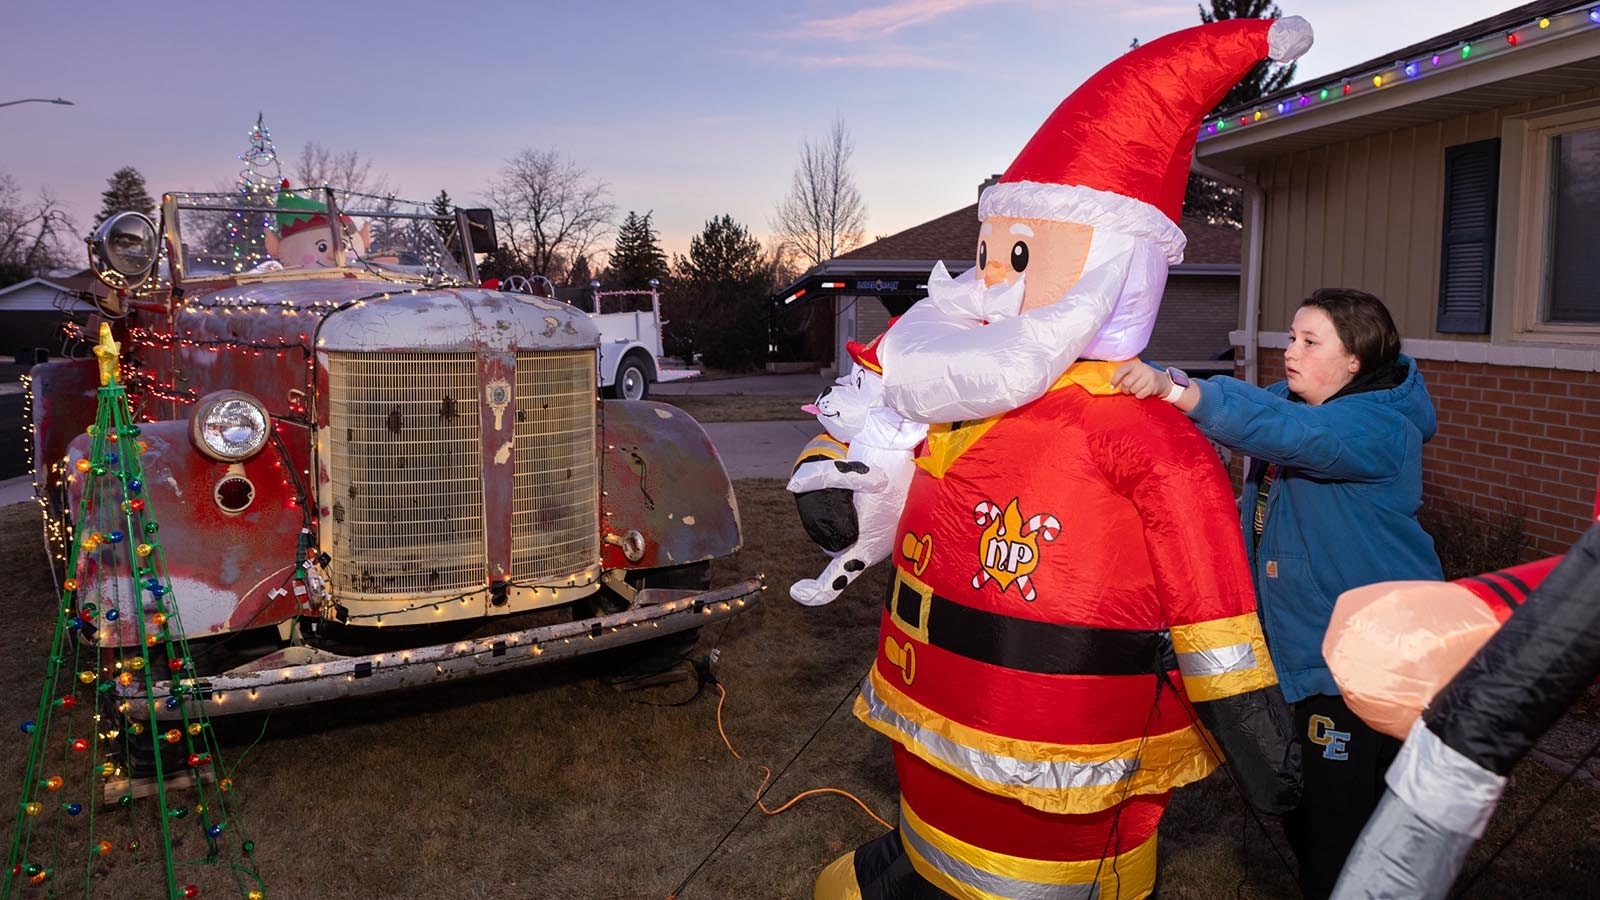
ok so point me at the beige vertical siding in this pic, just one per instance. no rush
(1368, 214)
(872, 318)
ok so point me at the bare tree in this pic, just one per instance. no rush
(34, 234)
(551, 210)
(823, 214)
(317, 166)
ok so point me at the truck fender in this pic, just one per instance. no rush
(228, 571)
(65, 401)
(661, 477)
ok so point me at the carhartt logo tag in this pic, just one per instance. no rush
(1272, 568)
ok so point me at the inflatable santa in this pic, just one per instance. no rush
(1071, 631)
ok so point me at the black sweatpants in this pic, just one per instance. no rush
(1344, 761)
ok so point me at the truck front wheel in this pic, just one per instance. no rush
(633, 378)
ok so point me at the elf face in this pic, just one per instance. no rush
(313, 247)
(1050, 254)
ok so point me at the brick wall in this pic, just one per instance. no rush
(1512, 441)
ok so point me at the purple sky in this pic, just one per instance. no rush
(690, 110)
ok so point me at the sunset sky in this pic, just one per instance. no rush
(692, 110)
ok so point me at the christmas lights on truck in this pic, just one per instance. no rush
(371, 472)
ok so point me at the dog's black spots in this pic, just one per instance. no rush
(841, 583)
(859, 468)
(854, 565)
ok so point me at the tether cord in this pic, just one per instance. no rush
(1527, 820)
(677, 891)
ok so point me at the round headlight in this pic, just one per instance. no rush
(229, 426)
(123, 249)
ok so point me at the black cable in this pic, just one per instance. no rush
(677, 891)
(1527, 820)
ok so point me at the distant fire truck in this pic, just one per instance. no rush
(370, 473)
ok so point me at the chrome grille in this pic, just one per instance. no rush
(555, 505)
(405, 472)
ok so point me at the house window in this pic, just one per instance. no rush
(1572, 288)
(1545, 261)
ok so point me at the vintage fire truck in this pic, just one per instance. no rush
(369, 472)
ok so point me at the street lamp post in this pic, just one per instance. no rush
(58, 101)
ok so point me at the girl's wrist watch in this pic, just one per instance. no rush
(1180, 380)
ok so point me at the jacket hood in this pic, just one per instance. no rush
(1410, 399)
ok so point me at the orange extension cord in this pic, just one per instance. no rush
(722, 695)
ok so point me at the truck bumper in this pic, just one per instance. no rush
(299, 676)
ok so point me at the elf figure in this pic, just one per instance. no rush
(304, 238)
(1071, 633)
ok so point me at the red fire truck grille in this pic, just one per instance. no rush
(405, 471)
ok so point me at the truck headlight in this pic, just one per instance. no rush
(229, 426)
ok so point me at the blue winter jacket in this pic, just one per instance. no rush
(1341, 512)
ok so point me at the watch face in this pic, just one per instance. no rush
(1179, 377)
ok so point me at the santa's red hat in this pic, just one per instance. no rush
(866, 355)
(1115, 153)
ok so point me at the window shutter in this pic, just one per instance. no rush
(1466, 273)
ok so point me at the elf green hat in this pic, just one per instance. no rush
(296, 213)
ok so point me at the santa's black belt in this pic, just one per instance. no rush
(1028, 645)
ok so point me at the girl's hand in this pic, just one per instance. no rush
(1141, 380)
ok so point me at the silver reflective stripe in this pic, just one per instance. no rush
(1039, 774)
(1217, 660)
(1441, 785)
(998, 885)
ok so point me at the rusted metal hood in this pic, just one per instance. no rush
(456, 319)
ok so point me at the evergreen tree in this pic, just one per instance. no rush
(579, 274)
(637, 256)
(1205, 199)
(717, 305)
(445, 208)
(125, 192)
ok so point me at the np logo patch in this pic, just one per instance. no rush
(1321, 731)
(1008, 548)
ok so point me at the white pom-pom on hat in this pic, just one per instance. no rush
(1288, 38)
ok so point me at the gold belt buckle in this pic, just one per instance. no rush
(908, 591)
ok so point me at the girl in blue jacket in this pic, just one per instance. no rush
(1330, 503)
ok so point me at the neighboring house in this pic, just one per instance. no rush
(866, 286)
(33, 311)
(1459, 180)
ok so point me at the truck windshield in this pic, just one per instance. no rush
(228, 235)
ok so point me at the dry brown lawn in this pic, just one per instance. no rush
(740, 407)
(555, 783)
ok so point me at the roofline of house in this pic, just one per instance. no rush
(32, 281)
(1571, 36)
(923, 267)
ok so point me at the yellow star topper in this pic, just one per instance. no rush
(108, 351)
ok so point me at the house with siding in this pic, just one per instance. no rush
(1458, 179)
(33, 313)
(860, 290)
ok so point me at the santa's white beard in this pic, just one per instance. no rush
(966, 353)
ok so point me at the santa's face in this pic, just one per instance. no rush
(1050, 254)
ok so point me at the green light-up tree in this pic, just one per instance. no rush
(84, 824)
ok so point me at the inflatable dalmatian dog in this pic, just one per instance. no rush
(876, 469)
